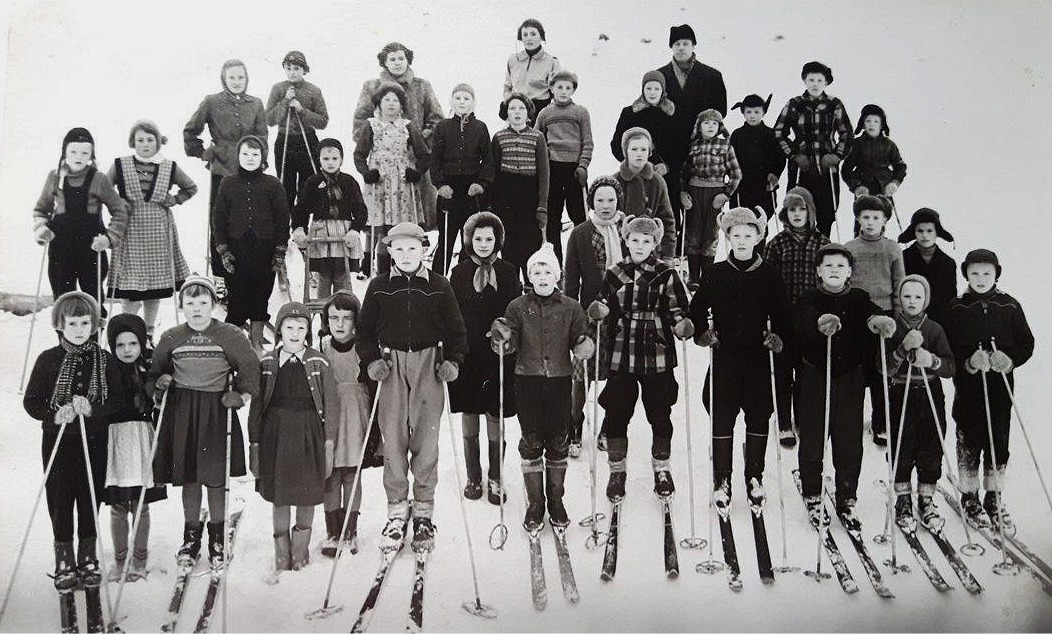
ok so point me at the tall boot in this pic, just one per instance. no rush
(693, 269)
(87, 562)
(495, 491)
(473, 488)
(282, 549)
(616, 451)
(755, 453)
(65, 567)
(333, 524)
(533, 478)
(555, 474)
(722, 459)
(216, 543)
(191, 548)
(300, 547)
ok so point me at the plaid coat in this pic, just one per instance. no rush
(812, 122)
(796, 259)
(712, 163)
(645, 301)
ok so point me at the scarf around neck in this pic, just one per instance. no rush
(334, 193)
(485, 274)
(608, 229)
(73, 360)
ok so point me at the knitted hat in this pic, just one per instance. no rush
(606, 181)
(296, 58)
(392, 47)
(743, 216)
(341, 300)
(980, 256)
(681, 32)
(793, 196)
(289, 310)
(817, 67)
(149, 127)
(866, 203)
(74, 303)
(231, 63)
(873, 109)
(126, 322)
(531, 22)
(654, 75)
(920, 279)
(193, 280)
(753, 101)
(481, 220)
(324, 143)
(390, 86)
(405, 230)
(922, 216)
(710, 115)
(531, 111)
(462, 87)
(643, 224)
(564, 75)
(834, 248)
(78, 135)
(636, 133)
(545, 255)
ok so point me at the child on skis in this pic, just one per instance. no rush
(747, 301)
(652, 111)
(594, 246)
(821, 139)
(878, 270)
(988, 333)
(411, 339)
(836, 310)
(759, 155)
(793, 253)
(131, 429)
(874, 167)
(68, 218)
(529, 72)
(543, 327)
(925, 258)
(461, 169)
(391, 155)
(75, 379)
(520, 187)
(567, 129)
(642, 304)
(484, 285)
(330, 206)
(202, 371)
(710, 176)
(291, 430)
(250, 228)
(921, 343)
(145, 179)
(297, 107)
(644, 191)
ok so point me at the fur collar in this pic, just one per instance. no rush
(625, 172)
(665, 105)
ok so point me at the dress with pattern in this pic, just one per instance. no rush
(392, 200)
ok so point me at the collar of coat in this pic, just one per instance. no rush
(665, 105)
(554, 298)
(628, 267)
(420, 272)
(752, 267)
(405, 78)
(627, 174)
(542, 54)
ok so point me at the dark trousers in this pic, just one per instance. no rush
(563, 188)
(618, 399)
(300, 161)
(920, 446)
(701, 233)
(515, 203)
(875, 386)
(818, 181)
(454, 213)
(742, 384)
(544, 416)
(67, 484)
(973, 433)
(72, 262)
(845, 429)
(250, 286)
(786, 375)
(213, 255)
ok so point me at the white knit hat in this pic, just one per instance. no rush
(545, 255)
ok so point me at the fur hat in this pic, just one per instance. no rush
(296, 58)
(636, 133)
(873, 109)
(921, 216)
(392, 47)
(231, 63)
(69, 303)
(390, 86)
(122, 323)
(753, 101)
(78, 135)
(405, 230)
(531, 110)
(341, 300)
(743, 216)
(462, 87)
(980, 256)
(480, 220)
(817, 67)
(149, 127)
(834, 248)
(564, 75)
(330, 142)
(710, 115)
(643, 224)
(605, 181)
(794, 194)
(545, 255)
(681, 32)
(531, 22)
(865, 203)
(197, 280)
(920, 279)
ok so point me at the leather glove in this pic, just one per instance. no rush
(979, 361)
(913, 340)
(43, 235)
(683, 329)
(299, 236)
(278, 261)
(100, 243)
(802, 162)
(476, 189)
(584, 348)
(830, 160)
(81, 405)
(1000, 362)
(707, 339)
(379, 370)
(772, 182)
(330, 457)
(719, 201)
(828, 324)
(371, 177)
(597, 310)
(500, 331)
(253, 459)
(661, 169)
(445, 191)
(922, 358)
(773, 342)
(685, 200)
(861, 191)
(162, 383)
(65, 415)
(226, 257)
(447, 371)
(880, 325)
(581, 174)
(542, 219)
(891, 188)
(233, 400)
(411, 175)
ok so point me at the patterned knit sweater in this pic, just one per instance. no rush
(523, 153)
(878, 269)
(568, 130)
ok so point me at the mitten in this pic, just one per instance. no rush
(828, 324)
(447, 371)
(891, 188)
(542, 218)
(351, 240)
(233, 400)
(411, 175)
(65, 415)
(861, 191)
(922, 358)
(43, 235)
(445, 191)
(773, 342)
(684, 328)
(475, 189)
(913, 340)
(500, 331)
(772, 182)
(597, 310)
(581, 174)
(1000, 362)
(81, 405)
(299, 236)
(978, 362)
(707, 339)
(802, 162)
(719, 201)
(253, 459)
(584, 348)
(226, 257)
(379, 370)
(330, 458)
(162, 382)
(100, 243)
(830, 160)
(277, 263)
(371, 177)
(661, 169)
(881, 325)
(685, 200)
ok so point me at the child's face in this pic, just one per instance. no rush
(652, 92)
(982, 277)
(605, 202)
(341, 324)
(925, 234)
(390, 106)
(462, 102)
(293, 72)
(743, 239)
(396, 63)
(871, 222)
(563, 91)
(815, 83)
(754, 115)
(407, 254)
(682, 50)
(544, 278)
(834, 271)
(911, 296)
(530, 36)
(235, 79)
(638, 153)
(517, 113)
(483, 242)
(145, 144)
(78, 155)
(198, 310)
(249, 157)
(872, 124)
(797, 215)
(331, 160)
(126, 347)
(294, 334)
(77, 329)
(709, 129)
(640, 246)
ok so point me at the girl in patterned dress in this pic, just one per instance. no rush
(391, 156)
(149, 265)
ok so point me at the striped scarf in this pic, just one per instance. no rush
(74, 359)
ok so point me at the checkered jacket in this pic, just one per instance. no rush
(812, 123)
(712, 163)
(795, 258)
(645, 300)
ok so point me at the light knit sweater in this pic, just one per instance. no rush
(878, 269)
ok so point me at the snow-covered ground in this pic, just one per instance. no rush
(967, 89)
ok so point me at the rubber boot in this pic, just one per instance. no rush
(693, 270)
(300, 547)
(282, 552)
(351, 534)
(333, 524)
(65, 567)
(533, 479)
(496, 493)
(87, 562)
(473, 488)
(755, 453)
(191, 548)
(555, 476)
(215, 543)
(722, 459)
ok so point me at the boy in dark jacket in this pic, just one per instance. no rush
(748, 304)
(653, 111)
(759, 155)
(989, 334)
(297, 107)
(874, 167)
(925, 258)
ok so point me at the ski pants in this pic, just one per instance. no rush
(544, 416)
(787, 384)
(252, 282)
(742, 384)
(660, 392)
(845, 429)
(701, 234)
(820, 181)
(921, 448)
(299, 161)
(71, 262)
(563, 188)
(67, 484)
(973, 433)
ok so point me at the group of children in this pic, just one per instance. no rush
(798, 302)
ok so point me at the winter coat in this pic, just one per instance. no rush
(935, 342)
(973, 320)
(422, 106)
(314, 114)
(543, 332)
(229, 118)
(796, 256)
(758, 154)
(741, 300)
(812, 123)
(704, 89)
(941, 274)
(37, 398)
(853, 345)
(657, 120)
(583, 276)
(460, 147)
(324, 398)
(530, 75)
(711, 163)
(646, 194)
(251, 202)
(313, 202)
(873, 163)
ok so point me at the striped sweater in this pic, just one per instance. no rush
(522, 153)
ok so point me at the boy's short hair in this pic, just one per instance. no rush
(392, 47)
(872, 203)
(333, 143)
(564, 75)
(606, 181)
(531, 22)
(149, 127)
(74, 304)
(387, 87)
(834, 248)
(195, 286)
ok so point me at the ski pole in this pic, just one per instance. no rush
(226, 500)
(98, 289)
(1019, 417)
(303, 133)
(823, 527)
(895, 210)
(32, 322)
(95, 514)
(893, 563)
(175, 291)
(499, 535)
(785, 567)
(32, 516)
(711, 566)
(326, 610)
(593, 434)
(446, 249)
(1005, 567)
(836, 201)
(774, 205)
(692, 542)
(111, 279)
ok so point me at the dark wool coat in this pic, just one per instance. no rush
(324, 399)
(313, 202)
(655, 120)
(941, 274)
(741, 301)
(646, 194)
(853, 345)
(873, 162)
(460, 147)
(703, 90)
(229, 119)
(251, 201)
(583, 276)
(37, 399)
(758, 154)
